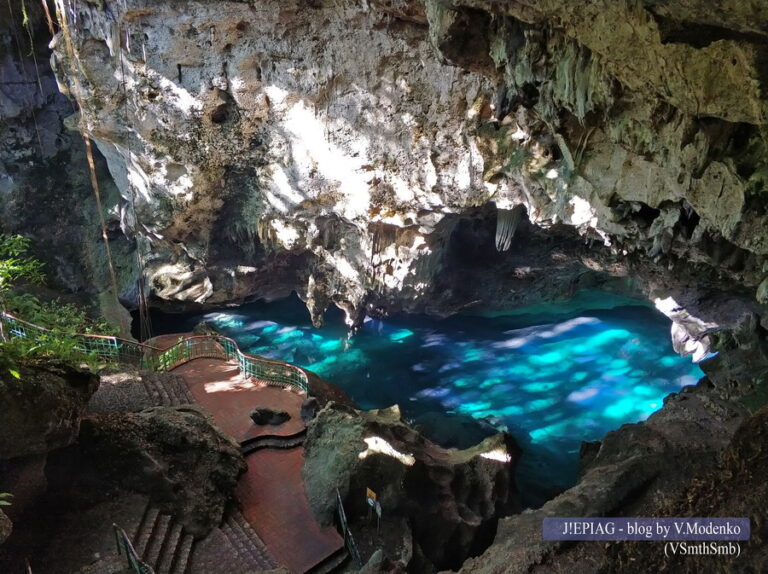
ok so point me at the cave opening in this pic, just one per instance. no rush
(550, 378)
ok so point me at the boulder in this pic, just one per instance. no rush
(451, 498)
(309, 409)
(41, 410)
(176, 455)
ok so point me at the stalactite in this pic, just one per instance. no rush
(566, 153)
(507, 221)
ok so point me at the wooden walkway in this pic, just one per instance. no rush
(271, 493)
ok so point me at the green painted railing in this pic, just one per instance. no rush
(226, 349)
(115, 349)
(349, 541)
(124, 546)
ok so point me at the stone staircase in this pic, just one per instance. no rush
(233, 548)
(166, 389)
(161, 542)
(273, 441)
(247, 543)
(135, 391)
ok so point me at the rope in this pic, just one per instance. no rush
(145, 325)
(62, 18)
(102, 222)
(23, 68)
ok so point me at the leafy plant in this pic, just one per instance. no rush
(63, 321)
(16, 264)
(4, 496)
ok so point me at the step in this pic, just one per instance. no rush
(333, 563)
(144, 532)
(183, 554)
(273, 441)
(167, 401)
(169, 548)
(238, 519)
(132, 526)
(175, 387)
(185, 394)
(216, 553)
(247, 543)
(152, 391)
(162, 526)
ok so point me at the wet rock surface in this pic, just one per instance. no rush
(173, 454)
(438, 505)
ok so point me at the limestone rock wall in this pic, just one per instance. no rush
(339, 149)
(45, 192)
(238, 132)
(439, 505)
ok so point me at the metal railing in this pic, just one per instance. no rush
(115, 349)
(349, 542)
(124, 546)
(220, 347)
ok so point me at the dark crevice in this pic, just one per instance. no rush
(725, 254)
(467, 42)
(688, 221)
(701, 35)
(641, 214)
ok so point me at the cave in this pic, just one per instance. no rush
(493, 265)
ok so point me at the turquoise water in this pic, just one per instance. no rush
(551, 381)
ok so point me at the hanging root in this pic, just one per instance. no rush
(507, 221)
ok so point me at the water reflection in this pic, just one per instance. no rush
(552, 385)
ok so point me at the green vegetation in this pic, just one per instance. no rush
(63, 320)
(4, 496)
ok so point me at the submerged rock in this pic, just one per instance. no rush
(449, 499)
(176, 455)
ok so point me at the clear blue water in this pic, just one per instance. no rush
(551, 381)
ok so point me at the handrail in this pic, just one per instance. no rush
(165, 359)
(349, 541)
(134, 560)
(225, 348)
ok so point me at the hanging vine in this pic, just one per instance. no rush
(73, 61)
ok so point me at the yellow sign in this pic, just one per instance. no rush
(369, 494)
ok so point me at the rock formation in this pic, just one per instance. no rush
(45, 192)
(639, 485)
(438, 505)
(41, 410)
(256, 156)
(174, 454)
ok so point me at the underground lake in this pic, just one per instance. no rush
(552, 380)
